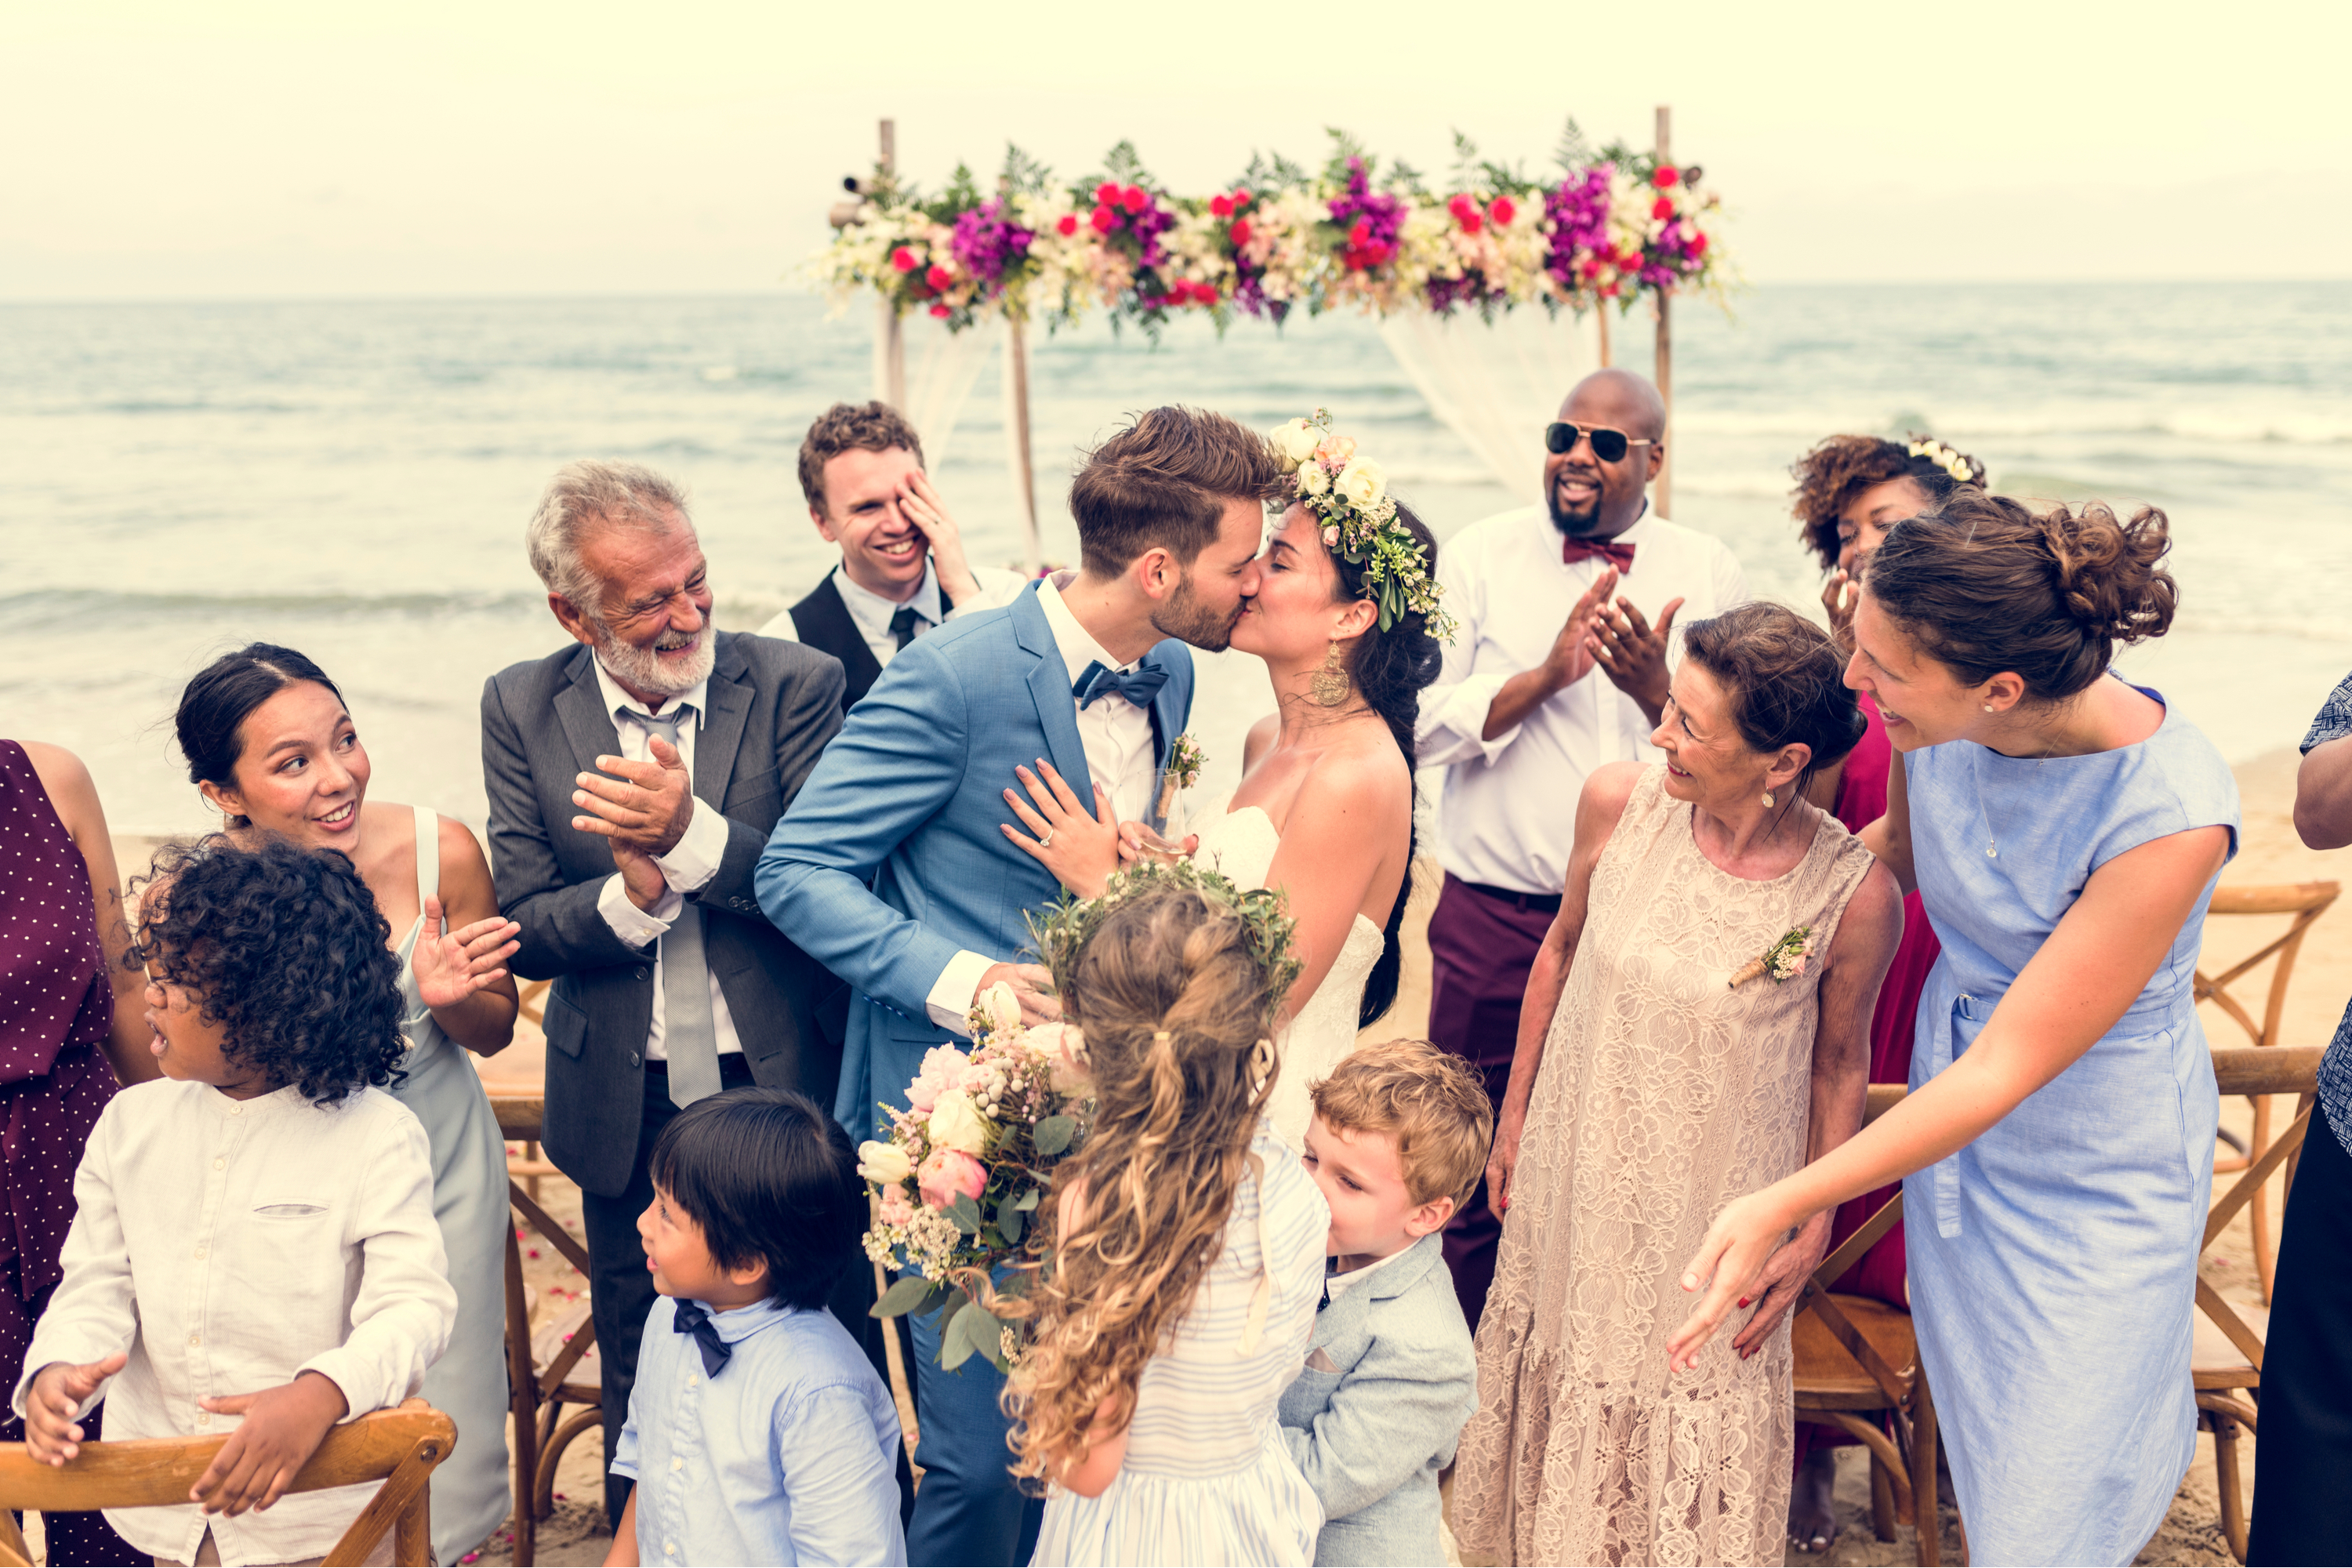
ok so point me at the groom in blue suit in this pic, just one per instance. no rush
(892, 869)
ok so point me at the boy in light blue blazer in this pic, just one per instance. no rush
(1398, 1142)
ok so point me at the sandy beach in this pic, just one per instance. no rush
(2270, 854)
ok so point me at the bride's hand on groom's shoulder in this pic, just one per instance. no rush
(1081, 848)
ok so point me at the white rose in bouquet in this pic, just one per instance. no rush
(1314, 479)
(1001, 1007)
(883, 1163)
(1363, 482)
(1297, 442)
(956, 1123)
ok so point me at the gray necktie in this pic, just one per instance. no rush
(688, 1035)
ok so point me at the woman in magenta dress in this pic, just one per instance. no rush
(70, 1029)
(1850, 490)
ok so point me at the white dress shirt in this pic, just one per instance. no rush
(228, 1245)
(872, 612)
(1509, 814)
(1116, 738)
(688, 866)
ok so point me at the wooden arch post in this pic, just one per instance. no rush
(1664, 488)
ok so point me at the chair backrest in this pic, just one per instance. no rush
(399, 1447)
(2306, 901)
(2275, 1070)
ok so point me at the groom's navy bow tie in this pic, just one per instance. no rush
(1139, 685)
(693, 1320)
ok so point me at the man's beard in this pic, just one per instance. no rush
(645, 669)
(1186, 618)
(1575, 525)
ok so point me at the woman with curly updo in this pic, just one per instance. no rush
(1186, 1242)
(256, 1250)
(271, 745)
(1851, 490)
(2065, 830)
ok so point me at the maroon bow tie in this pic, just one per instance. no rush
(1616, 551)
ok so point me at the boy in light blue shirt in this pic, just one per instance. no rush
(1398, 1140)
(758, 1432)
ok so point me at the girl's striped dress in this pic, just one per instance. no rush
(1208, 1479)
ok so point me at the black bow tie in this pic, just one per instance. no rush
(693, 1320)
(1139, 685)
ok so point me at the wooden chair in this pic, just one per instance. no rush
(398, 1447)
(548, 1368)
(2226, 1358)
(1857, 1357)
(531, 1167)
(2306, 901)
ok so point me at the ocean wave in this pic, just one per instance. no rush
(2303, 426)
(100, 605)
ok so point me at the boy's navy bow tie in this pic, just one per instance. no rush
(693, 1320)
(1139, 685)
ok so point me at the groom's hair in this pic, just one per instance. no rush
(1165, 481)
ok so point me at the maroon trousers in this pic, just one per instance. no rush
(1481, 948)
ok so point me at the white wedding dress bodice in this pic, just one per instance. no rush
(1240, 845)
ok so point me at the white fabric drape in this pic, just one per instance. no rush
(1496, 387)
(941, 367)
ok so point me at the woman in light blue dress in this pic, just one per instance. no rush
(271, 747)
(2064, 830)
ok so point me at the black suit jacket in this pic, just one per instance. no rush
(824, 623)
(774, 706)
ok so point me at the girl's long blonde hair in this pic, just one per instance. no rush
(1174, 991)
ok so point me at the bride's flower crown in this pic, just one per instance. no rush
(1350, 495)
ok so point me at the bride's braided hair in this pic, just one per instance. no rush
(1174, 987)
(1391, 669)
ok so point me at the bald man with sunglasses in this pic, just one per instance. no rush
(1567, 612)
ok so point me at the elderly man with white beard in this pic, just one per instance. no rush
(634, 777)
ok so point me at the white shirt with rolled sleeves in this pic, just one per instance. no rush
(688, 866)
(1508, 813)
(1116, 736)
(228, 1245)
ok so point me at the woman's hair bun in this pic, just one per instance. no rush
(1985, 583)
(2107, 570)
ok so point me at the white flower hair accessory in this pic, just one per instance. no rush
(1348, 495)
(1949, 458)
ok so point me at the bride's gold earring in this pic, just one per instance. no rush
(1329, 688)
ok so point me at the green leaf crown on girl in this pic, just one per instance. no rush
(1349, 495)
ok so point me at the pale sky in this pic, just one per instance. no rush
(239, 150)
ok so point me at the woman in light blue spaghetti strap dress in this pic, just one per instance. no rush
(2064, 830)
(271, 747)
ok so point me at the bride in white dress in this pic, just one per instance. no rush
(1324, 812)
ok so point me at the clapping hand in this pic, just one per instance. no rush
(1633, 652)
(451, 967)
(1840, 594)
(1081, 849)
(283, 1426)
(1571, 656)
(52, 1436)
(646, 807)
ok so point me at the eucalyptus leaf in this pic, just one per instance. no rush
(903, 1298)
(1028, 1201)
(965, 1214)
(1053, 1134)
(1008, 1224)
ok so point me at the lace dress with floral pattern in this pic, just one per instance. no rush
(1664, 1094)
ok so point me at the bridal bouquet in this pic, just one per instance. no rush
(959, 1178)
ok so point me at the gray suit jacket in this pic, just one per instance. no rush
(1373, 1436)
(774, 706)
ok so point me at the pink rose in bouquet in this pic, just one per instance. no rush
(943, 1069)
(948, 1174)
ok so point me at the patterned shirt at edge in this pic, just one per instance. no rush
(2334, 722)
(788, 1454)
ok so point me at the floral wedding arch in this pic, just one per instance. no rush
(1610, 226)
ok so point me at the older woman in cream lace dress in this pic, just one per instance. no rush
(1658, 1076)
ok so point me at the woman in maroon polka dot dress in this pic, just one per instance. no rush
(69, 1030)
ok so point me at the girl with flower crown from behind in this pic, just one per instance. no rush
(1184, 1256)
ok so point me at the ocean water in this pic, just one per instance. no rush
(352, 479)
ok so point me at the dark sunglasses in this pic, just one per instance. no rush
(1609, 446)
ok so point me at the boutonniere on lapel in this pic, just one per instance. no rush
(1783, 960)
(1183, 771)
